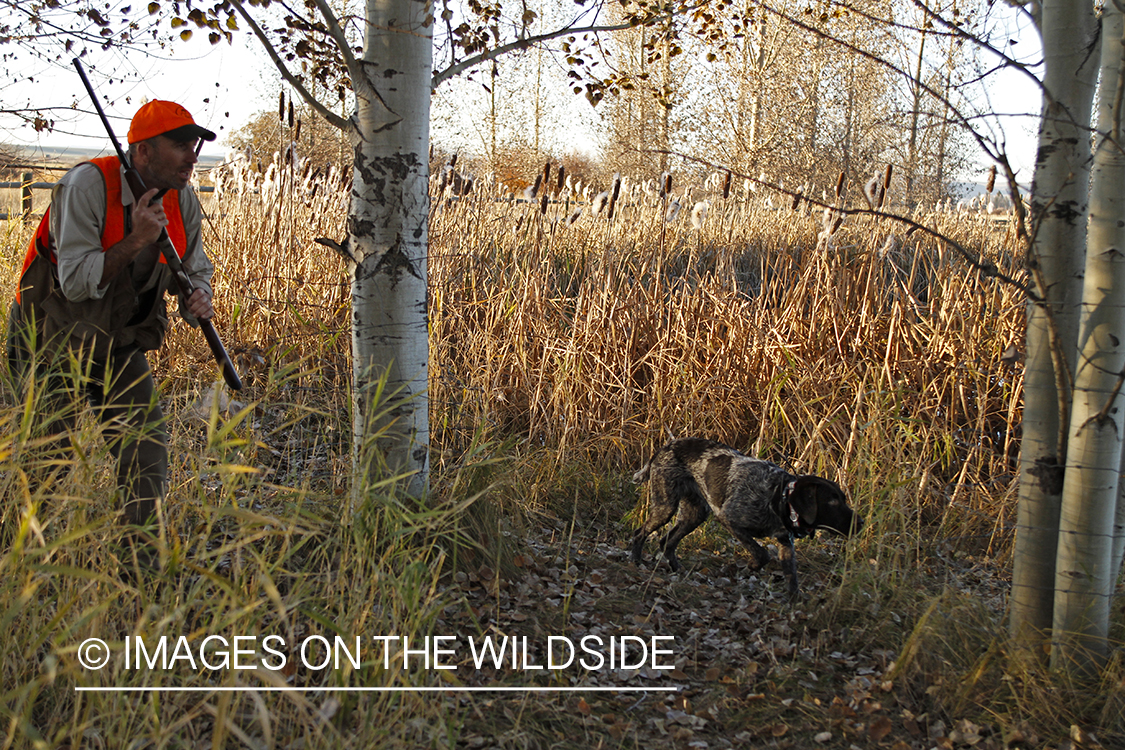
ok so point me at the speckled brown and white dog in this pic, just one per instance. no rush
(753, 498)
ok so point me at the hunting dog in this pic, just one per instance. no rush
(753, 498)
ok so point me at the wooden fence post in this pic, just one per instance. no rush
(25, 193)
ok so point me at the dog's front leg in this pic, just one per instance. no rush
(787, 557)
(760, 554)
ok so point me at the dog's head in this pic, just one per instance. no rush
(821, 504)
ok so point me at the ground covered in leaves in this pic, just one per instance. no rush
(752, 669)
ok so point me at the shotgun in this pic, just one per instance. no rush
(183, 283)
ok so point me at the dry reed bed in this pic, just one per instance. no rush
(596, 339)
(879, 365)
(280, 297)
(602, 337)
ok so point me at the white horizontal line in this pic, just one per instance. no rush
(228, 689)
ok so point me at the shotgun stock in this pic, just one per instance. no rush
(171, 257)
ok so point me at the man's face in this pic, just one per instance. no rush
(165, 163)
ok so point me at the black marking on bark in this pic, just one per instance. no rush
(395, 263)
(1050, 475)
(359, 228)
(377, 172)
(1067, 211)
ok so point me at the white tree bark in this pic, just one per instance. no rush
(387, 236)
(1084, 570)
(1059, 205)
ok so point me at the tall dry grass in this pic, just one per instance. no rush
(873, 357)
(253, 541)
(571, 351)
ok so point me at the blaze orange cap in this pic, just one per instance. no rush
(159, 117)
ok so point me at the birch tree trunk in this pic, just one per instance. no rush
(1059, 205)
(1085, 574)
(387, 228)
(915, 114)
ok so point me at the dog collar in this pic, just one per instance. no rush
(796, 529)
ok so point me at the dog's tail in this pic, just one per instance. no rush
(641, 474)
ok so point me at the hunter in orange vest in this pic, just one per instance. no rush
(93, 285)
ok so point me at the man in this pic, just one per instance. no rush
(92, 292)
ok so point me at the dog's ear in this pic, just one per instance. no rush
(804, 498)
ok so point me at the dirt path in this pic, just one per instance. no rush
(752, 670)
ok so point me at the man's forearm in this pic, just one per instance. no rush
(118, 257)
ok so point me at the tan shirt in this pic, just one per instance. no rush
(78, 212)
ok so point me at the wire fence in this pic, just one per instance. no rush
(27, 184)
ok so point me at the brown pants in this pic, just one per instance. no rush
(121, 392)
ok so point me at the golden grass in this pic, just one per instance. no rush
(570, 351)
(601, 338)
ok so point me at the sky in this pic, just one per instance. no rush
(225, 85)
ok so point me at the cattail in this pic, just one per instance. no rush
(543, 199)
(871, 192)
(726, 185)
(562, 179)
(840, 186)
(698, 214)
(796, 203)
(886, 184)
(531, 191)
(453, 161)
(665, 185)
(281, 108)
(991, 179)
(890, 245)
(291, 113)
(673, 211)
(616, 192)
(297, 135)
(574, 216)
(546, 174)
(599, 202)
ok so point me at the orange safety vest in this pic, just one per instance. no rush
(114, 231)
(121, 317)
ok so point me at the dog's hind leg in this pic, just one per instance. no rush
(662, 508)
(693, 512)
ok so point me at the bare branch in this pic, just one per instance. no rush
(527, 42)
(986, 267)
(295, 82)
